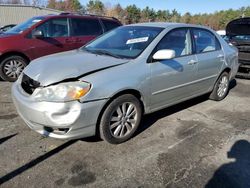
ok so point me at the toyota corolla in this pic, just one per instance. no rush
(106, 86)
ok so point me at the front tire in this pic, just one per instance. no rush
(221, 87)
(120, 119)
(11, 67)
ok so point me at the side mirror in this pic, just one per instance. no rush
(164, 55)
(37, 34)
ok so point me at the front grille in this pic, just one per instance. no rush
(28, 84)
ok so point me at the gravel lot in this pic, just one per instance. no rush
(186, 145)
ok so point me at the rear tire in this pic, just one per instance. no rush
(221, 88)
(120, 119)
(11, 67)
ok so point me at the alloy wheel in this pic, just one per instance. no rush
(13, 68)
(123, 120)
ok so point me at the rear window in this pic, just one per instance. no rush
(109, 25)
(205, 41)
(85, 27)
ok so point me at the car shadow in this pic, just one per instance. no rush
(234, 174)
(4, 139)
(232, 84)
(34, 162)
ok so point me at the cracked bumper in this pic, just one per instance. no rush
(69, 120)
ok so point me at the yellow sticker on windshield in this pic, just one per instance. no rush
(137, 40)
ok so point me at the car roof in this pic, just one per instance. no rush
(168, 24)
(71, 15)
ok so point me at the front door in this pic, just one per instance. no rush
(171, 80)
(56, 38)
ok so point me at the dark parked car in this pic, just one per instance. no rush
(238, 34)
(6, 28)
(44, 35)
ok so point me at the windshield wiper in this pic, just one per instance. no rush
(104, 52)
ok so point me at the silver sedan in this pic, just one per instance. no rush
(106, 86)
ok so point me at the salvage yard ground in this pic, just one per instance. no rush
(186, 145)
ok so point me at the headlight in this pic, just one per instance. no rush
(63, 92)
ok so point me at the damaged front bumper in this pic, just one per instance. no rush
(68, 120)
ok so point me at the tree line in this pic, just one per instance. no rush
(133, 14)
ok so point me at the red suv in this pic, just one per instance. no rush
(44, 35)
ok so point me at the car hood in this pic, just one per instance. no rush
(68, 65)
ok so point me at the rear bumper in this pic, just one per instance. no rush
(70, 120)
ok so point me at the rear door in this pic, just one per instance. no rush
(171, 80)
(84, 30)
(210, 58)
(56, 38)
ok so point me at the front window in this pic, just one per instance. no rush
(25, 25)
(124, 42)
(54, 28)
(178, 40)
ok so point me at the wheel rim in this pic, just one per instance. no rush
(223, 85)
(123, 120)
(13, 68)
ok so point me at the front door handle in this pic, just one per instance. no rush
(192, 62)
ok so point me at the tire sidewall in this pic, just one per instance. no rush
(4, 61)
(104, 128)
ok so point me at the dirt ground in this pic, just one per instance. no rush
(199, 143)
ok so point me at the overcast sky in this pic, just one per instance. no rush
(182, 6)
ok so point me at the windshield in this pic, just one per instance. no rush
(124, 42)
(25, 25)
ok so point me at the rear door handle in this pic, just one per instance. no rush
(192, 62)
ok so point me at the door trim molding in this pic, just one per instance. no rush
(183, 85)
